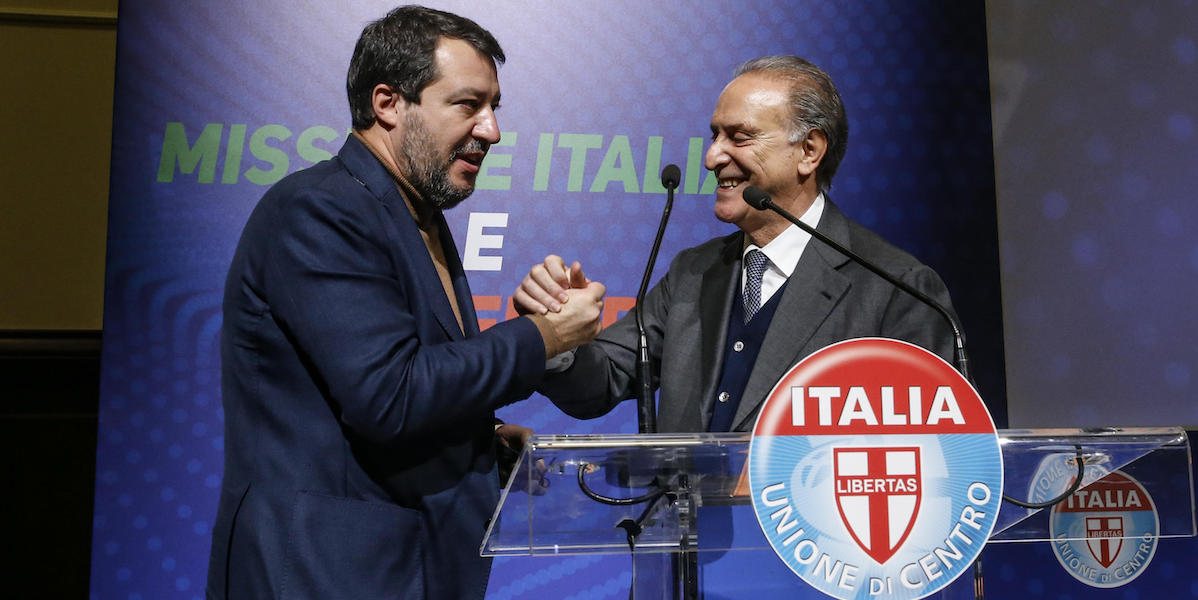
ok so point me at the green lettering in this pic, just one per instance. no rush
(308, 150)
(578, 143)
(540, 178)
(175, 150)
(269, 154)
(652, 181)
(233, 152)
(709, 183)
(487, 181)
(694, 166)
(617, 165)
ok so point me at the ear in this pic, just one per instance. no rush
(388, 105)
(811, 152)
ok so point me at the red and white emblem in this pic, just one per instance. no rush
(878, 492)
(1104, 538)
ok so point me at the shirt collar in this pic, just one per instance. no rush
(785, 250)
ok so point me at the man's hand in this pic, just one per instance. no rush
(512, 436)
(510, 440)
(578, 320)
(566, 306)
(544, 289)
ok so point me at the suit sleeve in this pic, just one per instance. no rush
(604, 371)
(330, 277)
(907, 318)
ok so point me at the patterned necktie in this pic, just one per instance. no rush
(755, 262)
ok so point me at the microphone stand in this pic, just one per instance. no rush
(646, 411)
(645, 406)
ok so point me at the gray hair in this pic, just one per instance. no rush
(814, 104)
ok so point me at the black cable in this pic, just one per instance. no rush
(582, 484)
(1077, 483)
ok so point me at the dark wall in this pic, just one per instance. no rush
(50, 383)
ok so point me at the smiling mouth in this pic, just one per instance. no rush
(730, 183)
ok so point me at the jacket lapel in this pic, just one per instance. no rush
(461, 286)
(720, 281)
(813, 291)
(413, 254)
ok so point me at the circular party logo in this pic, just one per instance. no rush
(1105, 534)
(875, 470)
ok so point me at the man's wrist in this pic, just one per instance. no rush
(553, 343)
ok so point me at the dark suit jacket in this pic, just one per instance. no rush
(359, 459)
(828, 299)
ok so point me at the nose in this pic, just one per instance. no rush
(716, 157)
(486, 127)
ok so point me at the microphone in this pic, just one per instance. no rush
(670, 176)
(760, 200)
(646, 410)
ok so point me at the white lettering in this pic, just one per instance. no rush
(848, 577)
(970, 517)
(930, 568)
(476, 240)
(944, 406)
(949, 554)
(915, 403)
(907, 582)
(856, 407)
(780, 516)
(878, 586)
(981, 487)
(861, 409)
(812, 551)
(830, 568)
(1133, 500)
(798, 406)
(824, 394)
(889, 417)
(769, 489)
(957, 533)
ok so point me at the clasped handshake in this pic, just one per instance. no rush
(570, 303)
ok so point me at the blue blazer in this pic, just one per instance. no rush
(359, 458)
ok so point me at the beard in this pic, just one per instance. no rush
(427, 172)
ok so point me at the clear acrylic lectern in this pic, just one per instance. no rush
(678, 503)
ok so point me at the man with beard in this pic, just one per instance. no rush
(359, 394)
(734, 314)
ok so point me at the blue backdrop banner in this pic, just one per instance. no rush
(216, 101)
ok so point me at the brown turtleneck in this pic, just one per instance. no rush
(427, 219)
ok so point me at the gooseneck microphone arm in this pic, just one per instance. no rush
(646, 410)
(760, 199)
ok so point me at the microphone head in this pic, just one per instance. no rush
(756, 197)
(670, 176)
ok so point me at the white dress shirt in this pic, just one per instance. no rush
(783, 251)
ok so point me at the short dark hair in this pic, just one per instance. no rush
(398, 50)
(814, 104)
